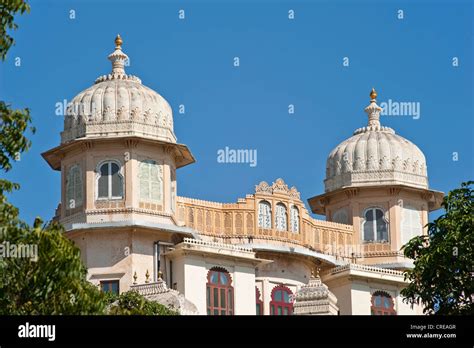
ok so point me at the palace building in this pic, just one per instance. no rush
(262, 255)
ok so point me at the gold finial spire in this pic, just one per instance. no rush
(373, 94)
(118, 42)
(118, 58)
(373, 110)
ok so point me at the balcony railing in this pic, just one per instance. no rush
(154, 288)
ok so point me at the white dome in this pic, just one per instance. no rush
(118, 105)
(375, 155)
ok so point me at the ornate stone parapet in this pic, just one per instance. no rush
(227, 222)
(315, 298)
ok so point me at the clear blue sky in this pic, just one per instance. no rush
(282, 62)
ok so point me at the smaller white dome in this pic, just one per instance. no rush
(118, 105)
(375, 155)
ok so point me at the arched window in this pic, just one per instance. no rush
(281, 303)
(110, 182)
(382, 304)
(295, 219)
(374, 226)
(151, 181)
(281, 223)
(220, 293)
(259, 302)
(264, 215)
(74, 187)
(411, 223)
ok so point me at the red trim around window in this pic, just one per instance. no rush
(281, 303)
(382, 304)
(258, 302)
(219, 292)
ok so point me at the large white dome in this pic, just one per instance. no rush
(375, 155)
(118, 105)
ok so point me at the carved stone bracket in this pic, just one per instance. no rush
(87, 145)
(427, 196)
(394, 191)
(324, 201)
(351, 192)
(131, 143)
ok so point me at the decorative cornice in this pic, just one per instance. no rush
(358, 267)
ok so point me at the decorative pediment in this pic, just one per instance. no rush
(263, 188)
(278, 187)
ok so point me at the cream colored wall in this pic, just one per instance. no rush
(106, 257)
(244, 287)
(192, 280)
(362, 294)
(195, 279)
(118, 254)
(284, 270)
(354, 295)
(390, 200)
(360, 299)
(89, 158)
(405, 308)
(342, 291)
(178, 274)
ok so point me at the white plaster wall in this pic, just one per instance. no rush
(405, 309)
(190, 273)
(361, 295)
(195, 279)
(343, 293)
(178, 273)
(118, 254)
(360, 298)
(244, 290)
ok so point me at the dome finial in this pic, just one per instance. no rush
(373, 111)
(118, 42)
(373, 94)
(118, 58)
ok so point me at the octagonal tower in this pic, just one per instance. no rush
(118, 158)
(377, 181)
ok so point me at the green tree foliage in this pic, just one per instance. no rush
(48, 276)
(443, 275)
(40, 269)
(51, 279)
(132, 303)
(8, 8)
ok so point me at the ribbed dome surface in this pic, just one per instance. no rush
(118, 105)
(375, 155)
